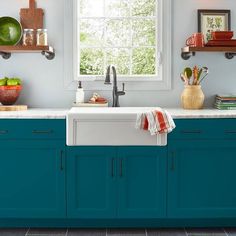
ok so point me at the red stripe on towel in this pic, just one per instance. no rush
(161, 121)
(145, 125)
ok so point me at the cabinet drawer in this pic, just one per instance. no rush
(204, 129)
(32, 129)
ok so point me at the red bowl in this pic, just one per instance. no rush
(222, 35)
(9, 94)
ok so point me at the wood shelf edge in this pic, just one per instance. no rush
(15, 49)
(47, 51)
(208, 49)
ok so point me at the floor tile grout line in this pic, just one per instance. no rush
(225, 232)
(26, 234)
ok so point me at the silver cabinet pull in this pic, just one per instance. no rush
(172, 167)
(61, 158)
(42, 131)
(4, 131)
(112, 168)
(191, 131)
(121, 167)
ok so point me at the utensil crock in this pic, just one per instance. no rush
(192, 97)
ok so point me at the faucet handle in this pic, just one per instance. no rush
(123, 85)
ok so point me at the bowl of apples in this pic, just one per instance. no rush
(10, 89)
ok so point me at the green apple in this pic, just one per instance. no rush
(3, 82)
(12, 82)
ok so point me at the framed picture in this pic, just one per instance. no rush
(213, 20)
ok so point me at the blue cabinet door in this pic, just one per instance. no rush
(202, 179)
(91, 182)
(142, 182)
(32, 179)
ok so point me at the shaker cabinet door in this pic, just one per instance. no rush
(91, 182)
(142, 182)
(202, 179)
(32, 179)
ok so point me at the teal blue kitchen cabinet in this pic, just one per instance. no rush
(32, 169)
(202, 176)
(91, 182)
(109, 182)
(32, 179)
(142, 182)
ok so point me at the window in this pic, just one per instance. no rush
(124, 33)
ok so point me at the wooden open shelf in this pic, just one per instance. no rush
(47, 51)
(187, 52)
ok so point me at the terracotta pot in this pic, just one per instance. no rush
(192, 97)
(9, 94)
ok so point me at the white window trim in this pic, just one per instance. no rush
(151, 83)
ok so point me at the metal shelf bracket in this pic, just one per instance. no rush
(230, 55)
(50, 54)
(5, 55)
(187, 55)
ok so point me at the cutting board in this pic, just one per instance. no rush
(32, 17)
(14, 108)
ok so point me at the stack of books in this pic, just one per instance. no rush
(225, 102)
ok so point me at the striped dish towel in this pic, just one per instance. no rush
(158, 122)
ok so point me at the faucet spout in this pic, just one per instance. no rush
(116, 93)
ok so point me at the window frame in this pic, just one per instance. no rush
(132, 82)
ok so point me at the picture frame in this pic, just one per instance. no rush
(210, 20)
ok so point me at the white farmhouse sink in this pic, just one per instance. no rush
(107, 127)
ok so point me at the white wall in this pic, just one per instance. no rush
(44, 80)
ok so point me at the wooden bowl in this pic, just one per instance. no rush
(9, 94)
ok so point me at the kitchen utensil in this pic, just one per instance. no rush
(184, 79)
(9, 94)
(196, 40)
(222, 35)
(32, 17)
(10, 31)
(206, 71)
(13, 108)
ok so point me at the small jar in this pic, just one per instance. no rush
(42, 37)
(28, 37)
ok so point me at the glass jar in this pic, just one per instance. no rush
(42, 37)
(28, 37)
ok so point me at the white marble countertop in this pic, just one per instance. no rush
(35, 114)
(177, 113)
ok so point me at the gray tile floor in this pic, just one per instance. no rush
(120, 232)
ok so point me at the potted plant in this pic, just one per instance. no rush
(193, 96)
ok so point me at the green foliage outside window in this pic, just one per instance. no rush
(125, 36)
